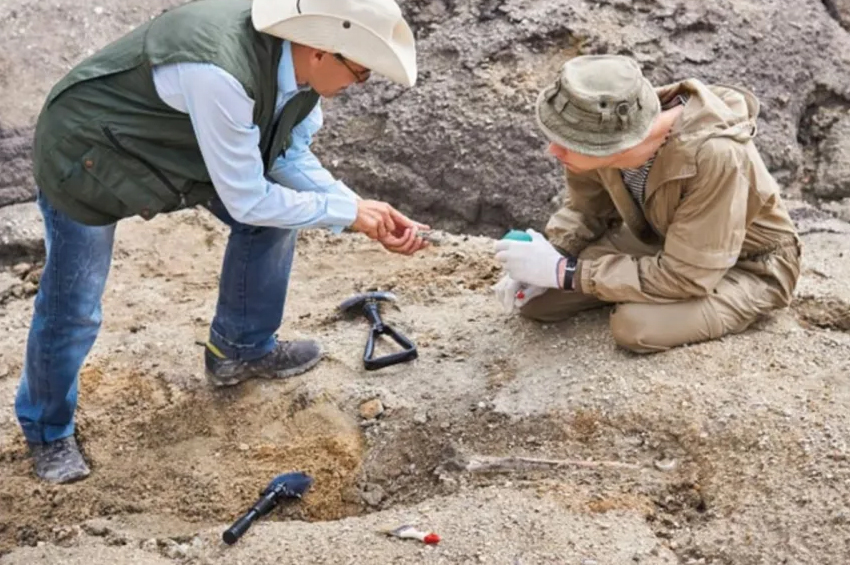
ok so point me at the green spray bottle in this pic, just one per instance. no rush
(517, 235)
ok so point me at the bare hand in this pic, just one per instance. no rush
(374, 218)
(408, 244)
(404, 238)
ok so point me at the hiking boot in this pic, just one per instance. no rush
(59, 461)
(287, 359)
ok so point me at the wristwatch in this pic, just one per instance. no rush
(569, 272)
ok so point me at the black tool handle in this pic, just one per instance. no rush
(372, 363)
(373, 313)
(240, 526)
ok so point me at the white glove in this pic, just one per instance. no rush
(514, 294)
(532, 262)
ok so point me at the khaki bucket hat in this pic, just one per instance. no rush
(599, 105)
(372, 33)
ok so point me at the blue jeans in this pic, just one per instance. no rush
(67, 312)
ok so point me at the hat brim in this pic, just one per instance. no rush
(395, 60)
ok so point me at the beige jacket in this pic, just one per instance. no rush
(710, 204)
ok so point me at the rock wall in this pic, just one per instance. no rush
(461, 150)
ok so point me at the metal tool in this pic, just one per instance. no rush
(411, 532)
(369, 304)
(287, 485)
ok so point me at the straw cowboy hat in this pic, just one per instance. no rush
(372, 33)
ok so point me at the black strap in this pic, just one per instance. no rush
(267, 151)
(305, 102)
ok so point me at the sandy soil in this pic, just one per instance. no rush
(741, 444)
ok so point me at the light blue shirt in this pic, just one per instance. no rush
(299, 192)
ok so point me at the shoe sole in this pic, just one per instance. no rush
(284, 374)
(67, 480)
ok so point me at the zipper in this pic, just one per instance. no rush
(156, 172)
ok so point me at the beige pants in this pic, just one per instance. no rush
(739, 300)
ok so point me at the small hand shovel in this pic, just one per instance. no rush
(368, 304)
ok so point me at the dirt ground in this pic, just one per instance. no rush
(737, 451)
(741, 444)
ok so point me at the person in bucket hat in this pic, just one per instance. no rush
(669, 213)
(213, 103)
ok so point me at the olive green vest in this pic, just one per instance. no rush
(107, 147)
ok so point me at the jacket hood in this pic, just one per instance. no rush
(714, 111)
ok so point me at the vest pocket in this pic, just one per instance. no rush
(157, 184)
(82, 186)
(115, 184)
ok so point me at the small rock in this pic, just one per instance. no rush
(175, 551)
(149, 545)
(96, 530)
(589, 562)
(116, 540)
(30, 288)
(373, 496)
(666, 465)
(420, 418)
(21, 269)
(58, 497)
(66, 533)
(4, 371)
(98, 10)
(33, 276)
(371, 409)
(243, 447)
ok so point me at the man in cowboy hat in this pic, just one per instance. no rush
(213, 103)
(670, 212)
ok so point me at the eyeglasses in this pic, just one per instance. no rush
(361, 76)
